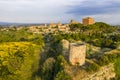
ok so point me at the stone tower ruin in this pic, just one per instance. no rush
(75, 53)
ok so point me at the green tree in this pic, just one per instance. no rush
(47, 69)
(74, 27)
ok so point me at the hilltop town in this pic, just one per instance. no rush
(56, 27)
(86, 50)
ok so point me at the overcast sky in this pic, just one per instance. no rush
(47, 11)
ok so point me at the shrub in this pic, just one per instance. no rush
(93, 67)
(103, 60)
(62, 75)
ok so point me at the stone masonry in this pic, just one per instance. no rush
(65, 49)
(87, 21)
(77, 54)
(74, 52)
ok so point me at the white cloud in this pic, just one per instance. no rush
(49, 10)
(33, 10)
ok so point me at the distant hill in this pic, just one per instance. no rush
(9, 23)
(4, 23)
(14, 23)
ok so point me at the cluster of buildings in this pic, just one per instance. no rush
(50, 28)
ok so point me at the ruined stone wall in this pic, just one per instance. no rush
(65, 48)
(105, 73)
(77, 53)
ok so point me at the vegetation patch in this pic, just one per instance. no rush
(18, 59)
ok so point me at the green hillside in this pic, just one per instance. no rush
(25, 55)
